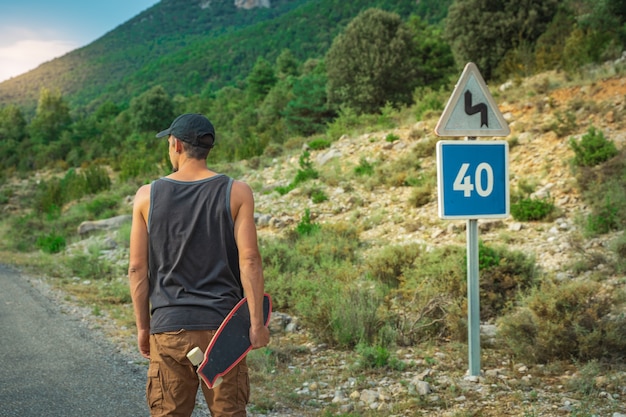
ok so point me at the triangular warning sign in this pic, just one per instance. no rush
(471, 110)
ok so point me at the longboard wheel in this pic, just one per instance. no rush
(196, 356)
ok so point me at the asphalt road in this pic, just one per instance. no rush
(52, 365)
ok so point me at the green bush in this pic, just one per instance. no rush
(90, 266)
(575, 320)
(428, 100)
(349, 123)
(618, 246)
(430, 302)
(364, 168)
(593, 148)
(306, 225)
(51, 243)
(421, 195)
(49, 197)
(373, 356)
(391, 138)
(318, 196)
(402, 172)
(565, 123)
(388, 265)
(305, 173)
(309, 274)
(23, 232)
(602, 189)
(504, 274)
(74, 185)
(96, 179)
(359, 323)
(102, 206)
(605, 217)
(318, 144)
(53, 194)
(530, 209)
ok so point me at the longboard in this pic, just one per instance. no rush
(230, 344)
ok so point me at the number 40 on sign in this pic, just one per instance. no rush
(473, 179)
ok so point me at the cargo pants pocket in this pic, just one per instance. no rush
(154, 390)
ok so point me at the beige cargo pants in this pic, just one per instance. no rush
(173, 383)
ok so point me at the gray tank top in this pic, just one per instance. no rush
(193, 257)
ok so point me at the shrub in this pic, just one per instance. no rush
(273, 150)
(318, 144)
(389, 264)
(566, 321)
(309, 274)
(306, 225)
(391, 138)
(318, 196)
(503, 276)
(431, 300)
(348, 122)
(102, 206)
(51, 243)
(565, 123)
(96, 179)
(420, 195)
(425, 148)
(593, 148)
(74, 185)
(529, 209)
(604, 217)
(359, 323)
(137, 162)
(305, 173)
(428, 100)
(619, 247)
(373, 356)
(48, 197)
(365, 168)
(24, 231)
(402, 172)
(90, 266)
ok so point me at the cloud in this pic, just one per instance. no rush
(24, 48)
(20, 56)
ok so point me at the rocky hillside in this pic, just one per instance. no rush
(543, 113)
(309, 379)
(538, 155)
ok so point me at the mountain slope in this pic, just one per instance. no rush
(183, 45)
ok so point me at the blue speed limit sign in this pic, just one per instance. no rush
(473, 179)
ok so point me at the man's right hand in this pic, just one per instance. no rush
(259, 336)
(143, 341)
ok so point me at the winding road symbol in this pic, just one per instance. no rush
(478, 108)
(471, 97)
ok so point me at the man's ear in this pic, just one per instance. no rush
(178, 145)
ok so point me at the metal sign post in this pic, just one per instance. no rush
(473, 299)
(472, 179)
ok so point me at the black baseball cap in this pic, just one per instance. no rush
(191, 128)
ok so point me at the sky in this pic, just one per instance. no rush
(36, 31)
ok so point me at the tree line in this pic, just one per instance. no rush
(379, 60)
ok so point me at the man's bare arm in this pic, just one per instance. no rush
(250, 263)
(138, 269)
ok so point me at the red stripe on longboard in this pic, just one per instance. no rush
(210, 382)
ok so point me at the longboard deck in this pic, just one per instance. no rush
(231, 342)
